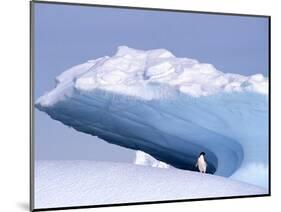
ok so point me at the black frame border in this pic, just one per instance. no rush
(31, 105)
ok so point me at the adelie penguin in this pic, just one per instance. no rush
(201, 163)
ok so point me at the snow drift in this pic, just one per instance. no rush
(78, 183)
(145, 159)
(171, 108)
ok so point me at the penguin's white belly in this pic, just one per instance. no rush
(202, 165)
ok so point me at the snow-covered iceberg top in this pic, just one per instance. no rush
(136, 73)
(170, 108)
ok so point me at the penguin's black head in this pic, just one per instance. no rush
(203, 153)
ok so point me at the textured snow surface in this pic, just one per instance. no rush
(136, 73)
(170, 108)
(78, 183)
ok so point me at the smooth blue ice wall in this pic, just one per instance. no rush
(69, 35)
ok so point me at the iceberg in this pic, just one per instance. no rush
(170, 108)
(145, 159)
